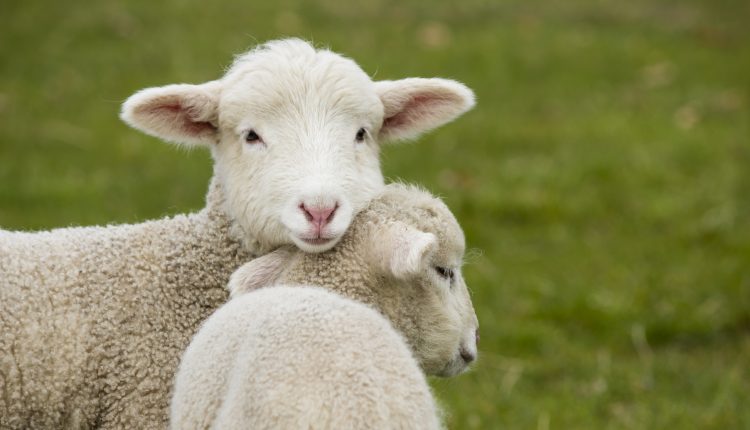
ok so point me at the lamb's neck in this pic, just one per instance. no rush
(203, 248)
(218, 208)
(216, 216)
(342, 270)
(214, 231)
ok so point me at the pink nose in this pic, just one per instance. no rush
(319, 217)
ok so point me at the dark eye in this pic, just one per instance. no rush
(445, 273)
(360, 137)
(252, 137)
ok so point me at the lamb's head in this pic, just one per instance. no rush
(415, 248)
(295, 133)
(402, 255)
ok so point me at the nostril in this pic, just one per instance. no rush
(307, 213)
(330, 215)
(467, 355)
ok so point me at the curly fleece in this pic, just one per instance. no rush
(93, 320)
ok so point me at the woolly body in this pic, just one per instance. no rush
(93, 342)
(300, 358)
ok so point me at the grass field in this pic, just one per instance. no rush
(603, 178)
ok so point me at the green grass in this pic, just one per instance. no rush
(604, 177)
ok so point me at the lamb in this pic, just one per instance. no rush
(300, 358)
(401, 255)
(93, 319)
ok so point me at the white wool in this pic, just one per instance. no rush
(299, 358)
(92, 320)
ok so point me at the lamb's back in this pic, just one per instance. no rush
(81, 309)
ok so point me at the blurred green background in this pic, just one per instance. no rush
(603, 179)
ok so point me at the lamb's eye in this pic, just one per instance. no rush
(445, 273)
(252, 137)
(360, 137)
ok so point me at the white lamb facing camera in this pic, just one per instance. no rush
(94, 319)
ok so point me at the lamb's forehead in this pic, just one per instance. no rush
(418, 208)
(269, 77)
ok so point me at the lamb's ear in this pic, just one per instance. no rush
(401, 250)
(259, 273)
(416, 105)
(181, 113)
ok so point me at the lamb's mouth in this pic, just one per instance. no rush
(315, 243)
(317, 240)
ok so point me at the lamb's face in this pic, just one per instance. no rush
(293, 133)
(297, 155)
(419, 252)
(450, 328)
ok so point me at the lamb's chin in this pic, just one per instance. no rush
(315, 245)
(453, 368)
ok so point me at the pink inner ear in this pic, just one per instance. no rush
(181, 116)
(417, 105)
(199, 127)
(394, 121)
(407, 110)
